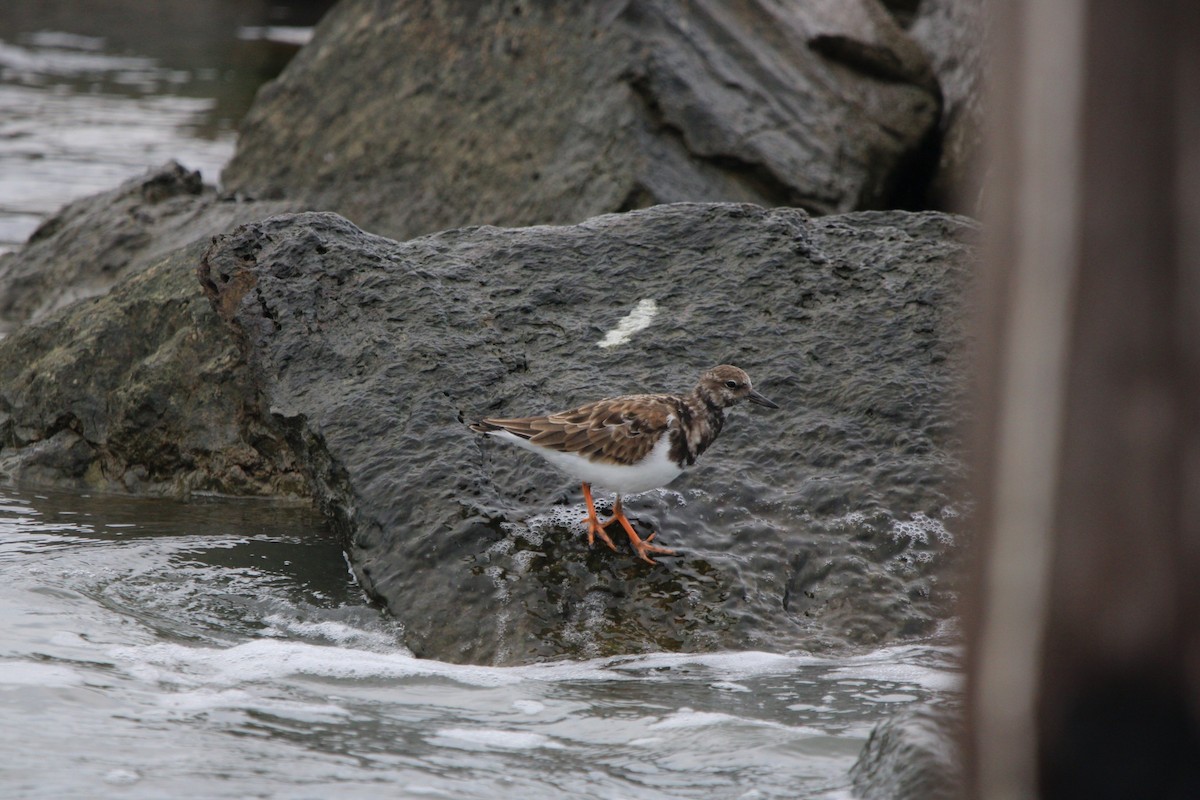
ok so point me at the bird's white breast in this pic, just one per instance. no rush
(657, 469)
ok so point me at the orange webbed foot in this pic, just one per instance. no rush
(596, 529)
(595, 526)
(642, 547)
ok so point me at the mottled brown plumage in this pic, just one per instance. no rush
(631, 443)
(621, 430)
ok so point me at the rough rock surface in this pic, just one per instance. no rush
(912, 755)
(140, 390)
(518, 113)
(822, 524)
(94, 242)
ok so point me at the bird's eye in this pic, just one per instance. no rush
(731, 384)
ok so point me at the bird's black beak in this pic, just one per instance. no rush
(755, 397)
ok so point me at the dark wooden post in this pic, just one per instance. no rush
(1084, 658)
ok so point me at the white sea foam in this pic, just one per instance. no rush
(15, 674)
(922, 528)
(896, 665)
(272, 659)
(342, 633)
(918, 529)
(68, 41)
(557, 517)
(523, 559)
(690, 718)
(217, 668)
(529, 706)
(283, 34)
(121, 777)
(199, 702)
(730, 666)
(492, 739)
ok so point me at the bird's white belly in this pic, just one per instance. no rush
(655, 470)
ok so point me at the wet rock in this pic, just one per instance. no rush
(141, 389)
(911, 756)
(952, 33)
(825, 524)
(517, 113)
(94, 242)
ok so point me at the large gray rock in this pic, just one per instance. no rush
(413, 118)
(333, 362)
(819, 525)
(94, 242)
(140, 390)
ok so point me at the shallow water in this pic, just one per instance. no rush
(219, 648)
(93, 93)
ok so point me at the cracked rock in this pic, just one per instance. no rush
(532, 113)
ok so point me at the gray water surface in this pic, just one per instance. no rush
(219, 648)
(93, 92)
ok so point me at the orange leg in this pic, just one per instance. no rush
(642, 546)
(595, 526)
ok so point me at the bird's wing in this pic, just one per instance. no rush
(620, 431)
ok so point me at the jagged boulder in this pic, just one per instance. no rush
(413, 118)
(141, 390)
(329, 362)
(96, 241)
(824, 524)
(912, 755)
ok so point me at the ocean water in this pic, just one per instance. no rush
(219, 648)
(93, 92)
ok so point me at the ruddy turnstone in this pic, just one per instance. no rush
(632, 443)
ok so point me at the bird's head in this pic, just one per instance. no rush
(727, 385)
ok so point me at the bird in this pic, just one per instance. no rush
(632, 443)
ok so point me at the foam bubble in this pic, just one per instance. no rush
(499, 581)
(920, 527)
(557, 518)
(502, 547)
(523, 559)
(676, 497)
